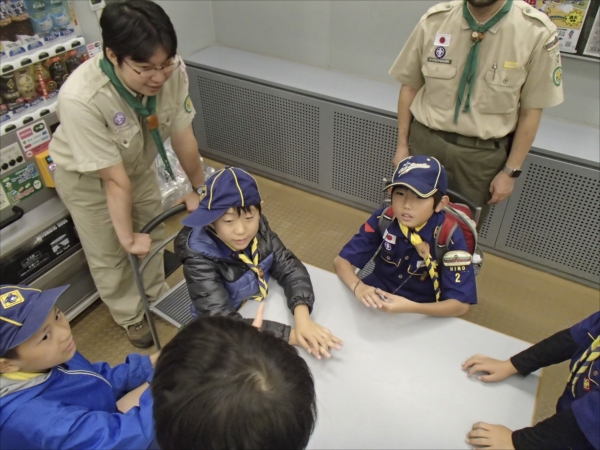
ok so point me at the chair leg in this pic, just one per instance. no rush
(142, 291)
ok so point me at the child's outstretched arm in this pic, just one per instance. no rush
(365, 293)
(496, 370)
(446, 308)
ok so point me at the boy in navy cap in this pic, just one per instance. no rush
(405, 278)
(50, 395)
(229, 253)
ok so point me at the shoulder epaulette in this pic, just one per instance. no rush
(533, 13)
(440, 7)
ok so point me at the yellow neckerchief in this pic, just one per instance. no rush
(583, 363)
(252, 264)
(423, 250)
(20, 376)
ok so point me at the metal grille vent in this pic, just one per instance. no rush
(265, 129)
(362, 151)
(557, 219)
(482, 233)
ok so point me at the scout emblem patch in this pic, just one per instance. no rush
(440, 52)
(457, 258)
(119, 119)
(11, 299)
(557, 76)
(187, 104)
(387, 246)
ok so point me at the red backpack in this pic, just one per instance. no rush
(457, 215)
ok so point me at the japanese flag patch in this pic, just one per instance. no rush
(387, 237)
(442, 39)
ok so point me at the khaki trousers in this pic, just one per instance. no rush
(471, 164)
(85, 199)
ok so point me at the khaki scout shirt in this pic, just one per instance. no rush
(98, 129)
(523, 49)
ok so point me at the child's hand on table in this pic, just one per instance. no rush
(484, 435)
(497, 370)
(367, 295)
(311, 336)
(394, 303)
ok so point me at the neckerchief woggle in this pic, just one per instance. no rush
(148, 111)
(470, 69)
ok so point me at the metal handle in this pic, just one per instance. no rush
(162, 217)
(18, 213)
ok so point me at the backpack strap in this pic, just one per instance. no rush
(385, 219)
(444, 235)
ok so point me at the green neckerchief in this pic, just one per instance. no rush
(148, 111)
(470, 70)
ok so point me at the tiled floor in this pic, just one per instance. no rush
(513, 299)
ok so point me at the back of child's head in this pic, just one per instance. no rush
(221, 383)
(227, 188)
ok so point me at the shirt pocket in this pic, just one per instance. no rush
(390, 257)
(130, 142)
(500, 92)
(165, 121)
(440, 86)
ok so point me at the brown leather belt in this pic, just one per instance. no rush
(470, 141)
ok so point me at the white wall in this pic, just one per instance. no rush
(192, 19)
(364, 38)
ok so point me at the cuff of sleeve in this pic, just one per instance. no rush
(301, 301)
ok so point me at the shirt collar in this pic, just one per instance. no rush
(494, 29)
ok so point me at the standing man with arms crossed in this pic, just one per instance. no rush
(116, 110)
(474, 72)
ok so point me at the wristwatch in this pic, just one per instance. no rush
(200, 190)
(513, 173)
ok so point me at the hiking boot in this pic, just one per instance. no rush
(139, 334)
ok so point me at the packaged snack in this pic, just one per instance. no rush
(10, 93)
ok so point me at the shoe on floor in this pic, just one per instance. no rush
(139, 334)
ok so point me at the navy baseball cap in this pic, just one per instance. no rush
(424, 175)
(225, 188)
(23, 311)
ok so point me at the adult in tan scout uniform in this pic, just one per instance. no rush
(472, 73)
(115, 112)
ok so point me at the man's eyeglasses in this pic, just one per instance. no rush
(167, 68)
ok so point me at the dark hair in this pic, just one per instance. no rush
(437, 196)
(137, 28)
(220, 383)
(247, 209)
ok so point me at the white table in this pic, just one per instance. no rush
(397, 382)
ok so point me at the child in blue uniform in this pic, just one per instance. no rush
(405, 278)
(229, 253)
(50, 395)
(576, 424)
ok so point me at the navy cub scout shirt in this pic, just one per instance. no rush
(400, 270)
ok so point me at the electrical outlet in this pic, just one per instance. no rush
(11, 157)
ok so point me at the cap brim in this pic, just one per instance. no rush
(422, 190)
(203, 217)
(37, 314)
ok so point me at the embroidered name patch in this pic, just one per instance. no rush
(510, 65)
(440, 61)
(456, 258)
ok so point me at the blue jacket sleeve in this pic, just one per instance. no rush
(458, 282)
(127, 376)
(73, 427)
(363, 245)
